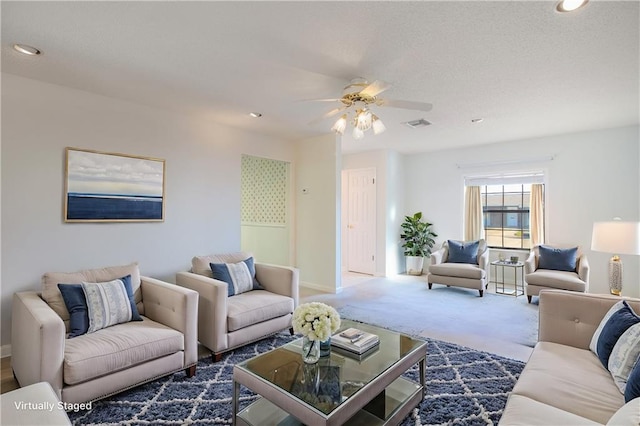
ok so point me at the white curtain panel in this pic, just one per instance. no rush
(536, 216)
(473, 224)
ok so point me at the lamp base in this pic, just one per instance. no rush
(615, 275)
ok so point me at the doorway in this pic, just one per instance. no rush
(360, 220)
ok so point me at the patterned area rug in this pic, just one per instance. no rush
(464, 387)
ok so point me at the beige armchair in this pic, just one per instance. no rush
(465, 275)
(98, 364)
(225, 323)
(537, 279)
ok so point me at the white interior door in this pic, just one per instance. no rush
(361, 220)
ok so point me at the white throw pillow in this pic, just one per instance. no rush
(627, 415)
(624, 356)
(107, 304)
(594, 340)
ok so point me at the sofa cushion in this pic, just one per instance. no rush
(562, 280)
(254, 307)
(201, 264)
(615, 326)
(557, 258)
(460, 270)
(624, 356)
(116, 348)
(463, 251)
(523, 411)
(240, 277)
(570, 379)
(50, 280)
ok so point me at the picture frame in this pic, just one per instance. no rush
(113, 187)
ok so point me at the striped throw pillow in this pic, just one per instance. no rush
(107, 304)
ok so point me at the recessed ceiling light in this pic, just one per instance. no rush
(255, 114)
(27, 50)
(477, 120)
(570, 5)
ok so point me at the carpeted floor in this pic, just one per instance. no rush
(464, 387)
(497, 323)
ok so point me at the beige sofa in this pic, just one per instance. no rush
(564, 383)
(95, 365)
(459, 274)
(538, 279)
(225, 323)
(14, 413)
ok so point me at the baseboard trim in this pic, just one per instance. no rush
(319, 287)
(5, 351)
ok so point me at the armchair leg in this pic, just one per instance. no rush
(291, 331)
(430, 285)
(190, 371)
(216, 357)
(481, 292)
(529, 298)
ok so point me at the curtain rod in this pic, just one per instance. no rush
(505, 162)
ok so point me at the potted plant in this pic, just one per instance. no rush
(418, 242)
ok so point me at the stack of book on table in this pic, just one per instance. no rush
(355, 343)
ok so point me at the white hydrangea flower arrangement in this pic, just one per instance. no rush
(316, 321)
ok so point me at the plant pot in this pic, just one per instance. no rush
(414, 264)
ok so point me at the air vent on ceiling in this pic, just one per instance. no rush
(417, 123)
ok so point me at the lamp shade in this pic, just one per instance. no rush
(616, 237)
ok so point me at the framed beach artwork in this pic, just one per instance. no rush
(108, 187)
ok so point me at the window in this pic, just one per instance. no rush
(505, 210)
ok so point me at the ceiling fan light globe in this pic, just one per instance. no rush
(340, 125)
(364, 120)
(357, 133)
(378, 126)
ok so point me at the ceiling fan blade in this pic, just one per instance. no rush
(375, 88)
(394, 103)
(328, 115)
(319, 100)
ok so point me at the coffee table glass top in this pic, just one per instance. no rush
(334, 379)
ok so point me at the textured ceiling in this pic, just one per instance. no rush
(526, 69)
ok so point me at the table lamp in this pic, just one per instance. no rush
(616, 237)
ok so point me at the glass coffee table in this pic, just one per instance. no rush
(338, 390)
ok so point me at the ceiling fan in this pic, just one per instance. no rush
(357, 98)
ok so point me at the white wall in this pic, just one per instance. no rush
(593, 177)
(318, 213)
(202, 185)
(395, 207)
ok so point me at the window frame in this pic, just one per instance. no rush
(484, 193)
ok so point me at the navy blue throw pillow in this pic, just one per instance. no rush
(76, 304)
(632, 390)
(557, 259)
(240, 277)
(463, 252)
(617, 324)
(135, 315)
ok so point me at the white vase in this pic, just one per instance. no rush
(414, 265)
